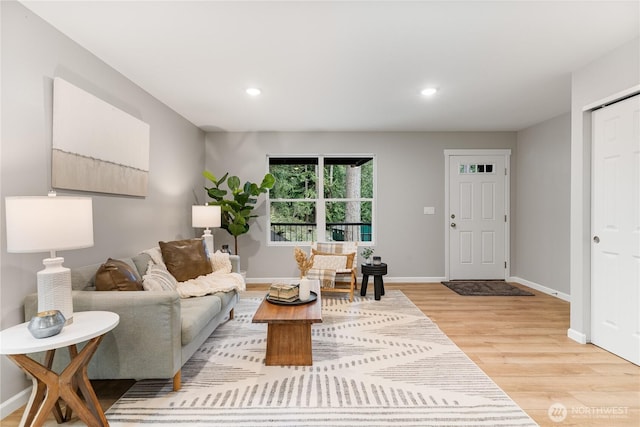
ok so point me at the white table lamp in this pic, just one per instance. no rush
(50, 224)
(206, 216)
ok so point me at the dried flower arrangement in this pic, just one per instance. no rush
(304, 263)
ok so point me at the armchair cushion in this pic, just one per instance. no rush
(329, 262)
(347, 256)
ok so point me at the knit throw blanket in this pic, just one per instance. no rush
(326, 277)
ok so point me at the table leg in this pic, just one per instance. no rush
(57, 412)
(73, 353)
(90, 410)
(45, 393)
(289, 344)
(49, 387)
(378, 285)
(365, 280)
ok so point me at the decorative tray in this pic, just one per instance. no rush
(313, 296)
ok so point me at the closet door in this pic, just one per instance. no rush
(615, 253)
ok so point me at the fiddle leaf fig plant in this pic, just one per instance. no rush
(237, 203)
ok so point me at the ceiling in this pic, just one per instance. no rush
(351, 66)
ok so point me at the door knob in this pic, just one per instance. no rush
(596, 239)
(453, 225)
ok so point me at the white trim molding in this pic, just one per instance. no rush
(578, 337)
(15, 402)
(541, 288)
(387, 279)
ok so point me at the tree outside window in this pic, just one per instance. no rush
(335, 205)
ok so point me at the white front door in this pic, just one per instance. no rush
(615, 254)
(477, 219)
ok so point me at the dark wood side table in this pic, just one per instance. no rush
(377, 271)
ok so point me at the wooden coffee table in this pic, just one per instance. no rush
(289, 330)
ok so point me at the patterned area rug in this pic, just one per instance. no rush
(485, 288)
(376, 363)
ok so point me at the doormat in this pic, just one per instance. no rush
(485, 288)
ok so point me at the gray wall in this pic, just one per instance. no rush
(617, 71)
(541, 247)
(410, 176)
(33, 53)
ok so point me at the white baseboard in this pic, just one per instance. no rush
(259, 280)
(578, 337)
(412, 280)
(14, 403)
(541, 288)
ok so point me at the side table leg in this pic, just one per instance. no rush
(73, 353)
(76, 373)
(57, 412)
(363, 289)
(378, 286)
(45, 394)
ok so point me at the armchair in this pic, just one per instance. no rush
(345, 275)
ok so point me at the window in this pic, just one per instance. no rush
(306, 205)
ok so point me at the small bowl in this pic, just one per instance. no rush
(46, 324)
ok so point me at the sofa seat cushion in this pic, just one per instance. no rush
(196, 313)
(226, 297)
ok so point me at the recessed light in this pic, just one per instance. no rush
(430, 91)
(253, 91)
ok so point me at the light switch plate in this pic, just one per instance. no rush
(429, 210)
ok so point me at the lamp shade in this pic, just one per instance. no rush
(205, 216)
(49, 223)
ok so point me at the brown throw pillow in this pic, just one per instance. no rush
(349, 256)
(185, 259)
(116, 275)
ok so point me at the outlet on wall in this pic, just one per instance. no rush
(429, 210)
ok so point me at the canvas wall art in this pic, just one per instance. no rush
(96, 146)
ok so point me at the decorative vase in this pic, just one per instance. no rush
(304, 289)
(46, 324)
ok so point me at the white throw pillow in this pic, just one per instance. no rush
(329, 262)
(220, 262)
(158, 278)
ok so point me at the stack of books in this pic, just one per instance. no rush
(283, 292)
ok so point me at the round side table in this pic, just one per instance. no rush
(377, 271)
(16, 342)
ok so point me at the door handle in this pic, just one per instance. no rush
(596, 239)
(453, 225)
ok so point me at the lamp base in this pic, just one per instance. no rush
(208, 242)
(54, 288)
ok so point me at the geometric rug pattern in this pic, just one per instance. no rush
(375, 363)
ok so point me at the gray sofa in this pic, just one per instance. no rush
(158, 331)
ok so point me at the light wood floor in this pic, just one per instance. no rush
(522, 344)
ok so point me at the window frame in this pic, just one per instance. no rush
(320, 200)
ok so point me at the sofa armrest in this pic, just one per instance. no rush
(235, 263)
(145, 344)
